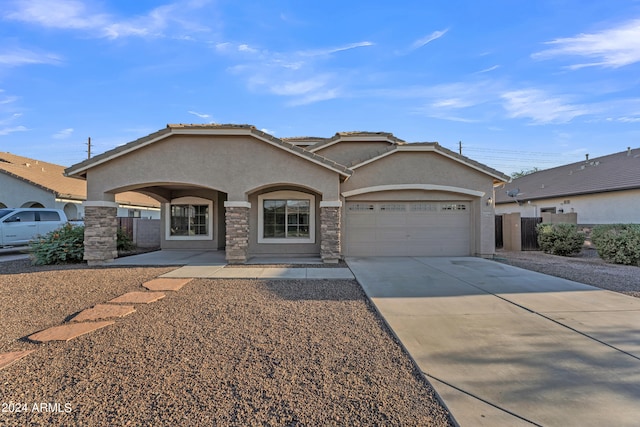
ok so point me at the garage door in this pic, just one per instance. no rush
(408, 228)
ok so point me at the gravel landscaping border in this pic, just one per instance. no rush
(216, 352)
(585, 267)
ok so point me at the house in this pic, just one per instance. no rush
(29, 183)
(603, 190)
(236, 188)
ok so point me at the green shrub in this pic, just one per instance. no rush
(64, 245)
(124, 243)
(560, 239)
(618, 243)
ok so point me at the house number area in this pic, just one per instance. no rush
(39, 407)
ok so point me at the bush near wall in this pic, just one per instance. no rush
(560, 239)
(66, 245)
(618, 243)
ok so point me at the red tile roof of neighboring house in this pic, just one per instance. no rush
(615, 172)
(50, 177)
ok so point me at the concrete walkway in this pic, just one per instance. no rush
(506, 346)
(212, 265)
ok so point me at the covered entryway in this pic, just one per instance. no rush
(399, 228)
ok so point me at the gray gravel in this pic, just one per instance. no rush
(586, 268)
(217, 352)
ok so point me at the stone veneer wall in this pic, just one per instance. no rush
(237, 230)
(330, 234)
(100, 234)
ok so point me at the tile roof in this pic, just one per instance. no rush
(231, 129)
(325, 142)
(50, 177)
(614, 172)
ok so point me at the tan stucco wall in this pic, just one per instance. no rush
(602, 208)
(346, 152)
(235, 165)
(433, 168)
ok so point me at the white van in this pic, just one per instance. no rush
(19, 226)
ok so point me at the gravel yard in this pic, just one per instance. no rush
(217, 352)
(586, 267)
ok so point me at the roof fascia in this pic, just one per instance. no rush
(355, 138)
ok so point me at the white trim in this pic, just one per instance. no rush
(355, 138)
(189, 201)
(100, 204)
(231, 204)
(331, 204)
(287, 195)
(427, 187)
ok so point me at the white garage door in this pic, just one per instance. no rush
(408, 228)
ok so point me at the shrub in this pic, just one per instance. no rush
(618, 243)
(124, 243)
(560, 239)
(64, 245)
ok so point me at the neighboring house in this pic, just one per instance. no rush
(29, 183)
(604, 190)
(236, 188)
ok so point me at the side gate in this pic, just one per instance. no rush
(499, 235)
(529, 234)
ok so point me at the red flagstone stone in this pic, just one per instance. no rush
(138, 297)
(68, 331)
(164, 284)
(103, 311)
(8, 359)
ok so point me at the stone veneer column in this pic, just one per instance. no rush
(237, 231)
(100, 232)
(330, 238)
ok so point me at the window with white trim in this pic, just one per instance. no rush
(286, 217)
(190, 218)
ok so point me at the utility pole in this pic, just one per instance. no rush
(460, 147)
(89, 148)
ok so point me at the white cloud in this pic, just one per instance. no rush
(540, 107)
(613, 48)
(84, 16)
(63, 134)
(428, 39)
(17, 56)
(201, 115)
(487, 70)
(331, 50)
(7, 131)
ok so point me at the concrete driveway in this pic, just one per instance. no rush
(506, 346)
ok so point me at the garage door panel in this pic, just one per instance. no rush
(408, 228)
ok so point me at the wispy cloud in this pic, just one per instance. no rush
(488, 70)
(9, 130)
(541, 107)
(63, 134)
(331, 50)
(14, 57)
(615, 47)
(82, 16)
(201, 115)
(428, 39)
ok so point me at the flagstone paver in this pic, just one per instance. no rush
(68, 331)
(103, 311)
(10, 358)
(138, 298)
(166, 284)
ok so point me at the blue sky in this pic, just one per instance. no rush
(522, 84)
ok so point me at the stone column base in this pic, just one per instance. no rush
(100, 234)
(237, 229)
(330, 248)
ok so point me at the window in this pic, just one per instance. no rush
(134, 213)
(24, 216)
(190, 218)
(286, 217)
(49, 216)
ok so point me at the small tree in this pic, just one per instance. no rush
(524, 172)
(560, 239)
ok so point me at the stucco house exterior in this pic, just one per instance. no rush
(30, 183)
(603, 190)
(238, 189)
